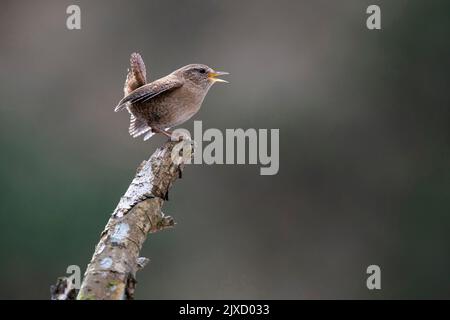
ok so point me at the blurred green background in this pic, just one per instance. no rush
(364, 146)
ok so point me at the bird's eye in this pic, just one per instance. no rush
(202, 70)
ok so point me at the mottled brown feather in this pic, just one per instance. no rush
(145, 93)
(137, 74)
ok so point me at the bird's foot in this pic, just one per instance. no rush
(181, 135)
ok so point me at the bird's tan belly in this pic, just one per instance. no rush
(167, 110)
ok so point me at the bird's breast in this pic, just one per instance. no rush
(182, 104)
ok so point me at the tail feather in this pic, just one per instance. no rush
(148, 135)
(138, 126)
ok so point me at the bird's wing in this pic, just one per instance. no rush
(149, 91)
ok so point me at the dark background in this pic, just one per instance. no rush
(364, 146)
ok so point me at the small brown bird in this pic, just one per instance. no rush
(169, 101)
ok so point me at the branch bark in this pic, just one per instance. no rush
(111, 273)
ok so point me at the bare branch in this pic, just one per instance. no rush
(112, 270)
(64, 289)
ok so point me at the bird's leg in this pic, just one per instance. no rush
(166, 133)
(170, 135)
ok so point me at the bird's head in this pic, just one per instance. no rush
(200, 75)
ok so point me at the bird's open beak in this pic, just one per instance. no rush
(214, 74)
